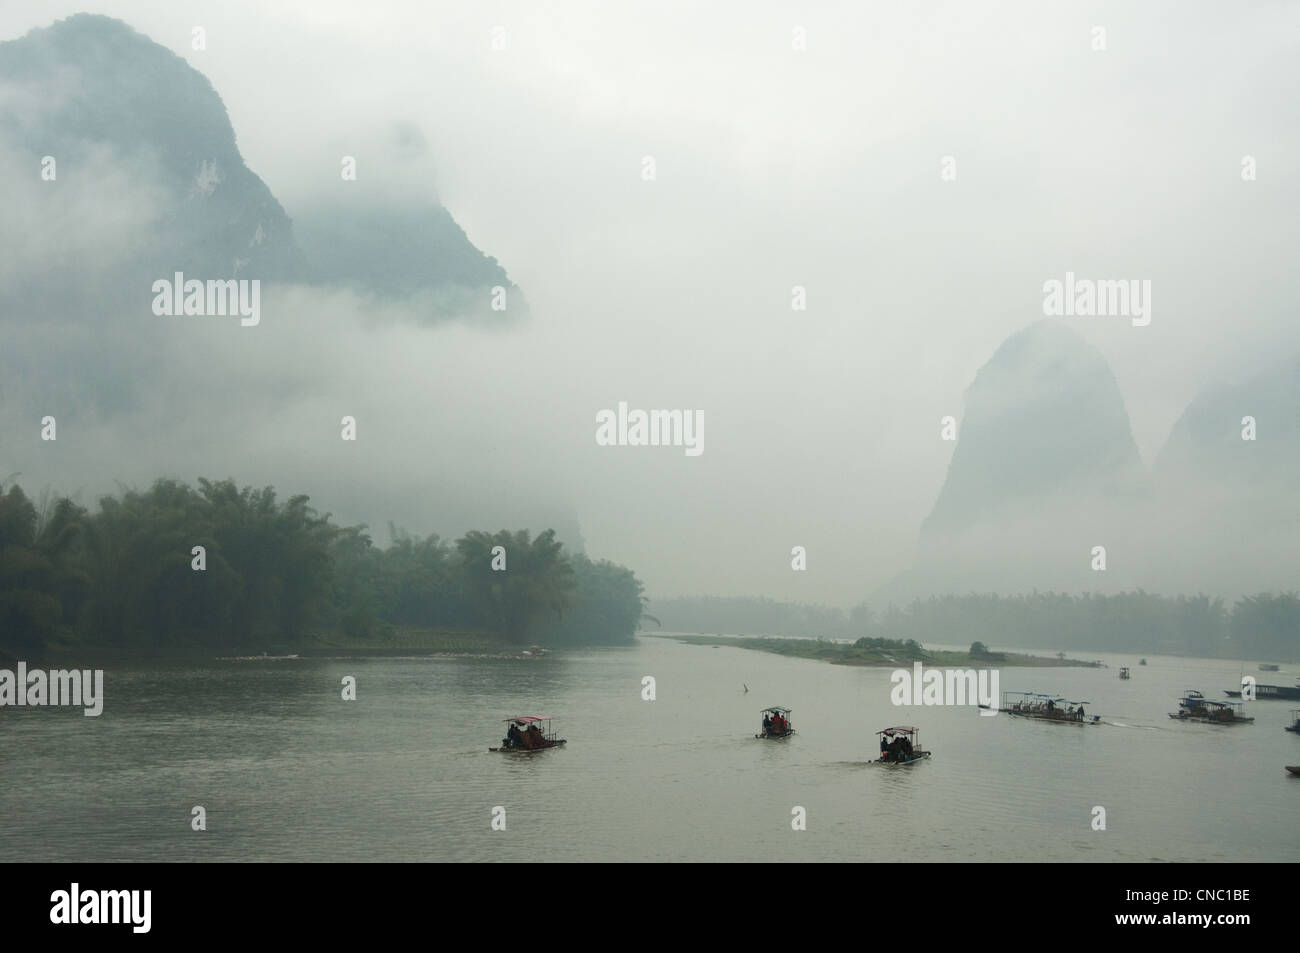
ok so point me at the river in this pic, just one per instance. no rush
(285, 769)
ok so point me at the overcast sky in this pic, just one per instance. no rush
(775, 168)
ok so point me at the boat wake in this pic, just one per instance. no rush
(1120, 724)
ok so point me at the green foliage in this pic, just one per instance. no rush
(357, 622)
(277, 571)
(536, 579)
(1266, 626)
(608, 605)
(900, 650)
(29, 611)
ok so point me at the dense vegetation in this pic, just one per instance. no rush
(126, 577)
(1263, 626)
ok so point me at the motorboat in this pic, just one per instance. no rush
(900, 747)
(528, 733)
(776, 723)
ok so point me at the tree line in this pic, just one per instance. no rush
(1262, 626)
(219, 566)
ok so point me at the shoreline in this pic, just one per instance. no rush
(436, 643)
(846, 653)
(409, 643)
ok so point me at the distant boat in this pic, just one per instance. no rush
(529, 733)
(1143, 662)
(1267, 667)
(900, 747)
(1196, 707)
(1293, 768)
(1124, 673)
(1046, 708)
(1295, 721)
(776, 723)
(1269, 692)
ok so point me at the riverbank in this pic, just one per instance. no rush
(845, 653)
(403, 641)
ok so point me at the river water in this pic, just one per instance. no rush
(285, 769)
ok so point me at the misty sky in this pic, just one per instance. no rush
(774, 168)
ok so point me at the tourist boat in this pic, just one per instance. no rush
(529, 733)
(1046, 707)
(1124, 673)
(1192, 700)
(776, 723)
(1267, 667)
(1295, 721)
(900, 746)
(1270, 692)
(1195, 707)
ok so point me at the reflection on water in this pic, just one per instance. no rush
(286, 770)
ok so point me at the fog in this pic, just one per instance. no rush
(774, 168)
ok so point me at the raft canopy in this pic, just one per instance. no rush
(1055, 699)
(528, 719)
(778, 708)
(899, 730)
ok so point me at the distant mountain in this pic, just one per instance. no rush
(1044, 421)
(145, 179)
(98, 91)
(416, 254)
(1045, 468)
(116, 111)
(1227, 515)
(1207, 445)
